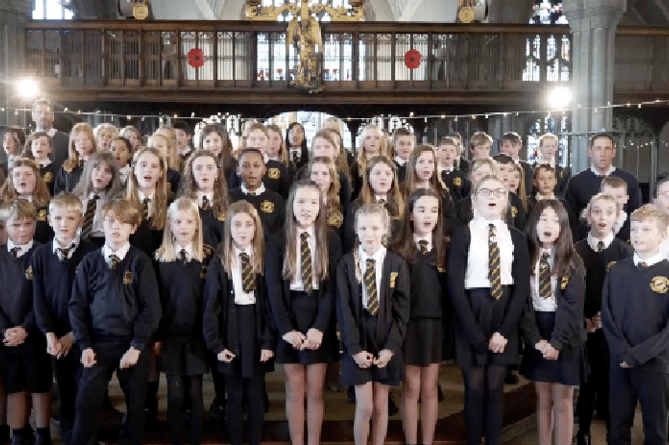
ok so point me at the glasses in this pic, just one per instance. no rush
(495, 192)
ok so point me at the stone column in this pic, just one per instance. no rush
(593, 25)
(14, 14)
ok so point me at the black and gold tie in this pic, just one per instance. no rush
(305, 261)
(183, 256)
(63, 254)
(381, 201)
(248, 277)
(87, 227)
(206, 204)
(600, 246)
(370, 285)
(545, 290)
(15, 251)
(494, 271)
(145, 209)
(113, 261)
(422, 247)
(643, 265)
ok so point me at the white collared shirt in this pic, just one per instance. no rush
(23, 248)
(241, 297)
(608, 172)
(124, 172)
(188, 248)
(71, 247)
(260, 190)
(539, 303)
(399, 161)
(539, 196)
(52, 132)
(650, 261)
(377, 198)
(378, 257)
(43, 162)
(593, 241)
(620, 222)
(443, 169)
(151, 197)
(417, 238)
(476, 274)
(120, 253)
(296, 283)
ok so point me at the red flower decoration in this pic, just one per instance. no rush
(412, 59)
(195, 58)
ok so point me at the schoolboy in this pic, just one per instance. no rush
(403, 143)
(635, 319)
(511, 144)
(27, 367)
(120, 148)
(600, 250)
(461, 163)
(547, 153)
(544, 185)
(448, 152)
(480, 145)
(39, 148)
(184, 137)
(616, 187)
(54, 265)
(270, 205)
(114, 310)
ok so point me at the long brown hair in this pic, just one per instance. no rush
(335, 215)
(405, 245)
(395, 201)
(566, 259)
(161, 194)
(72, 161)
(436, 183)
(225, 249)
(84, 187)
(41, 195)
(283, 153)
(226, 160)
(320, 256)
(188, 185)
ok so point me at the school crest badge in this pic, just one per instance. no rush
(393, 279)
(335, 220)
(273, 173)
(564, 283)
(221, 217)
(659, 285)
(267, 207)
(514, 211)
(457, 182)
(127, 278)
(610, 265)
(29, 273)
(48, 177)
(41, 215)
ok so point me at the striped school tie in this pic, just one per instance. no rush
(145, 209)
(183, 256)
(113, 261)
(64, 254)
(370, 285)
(206, 204)
(306, 263)
(15, 251)
(494, 271)
(248, 277)
(422, 247)
(600, 246)
(545, 290)
(87, 227)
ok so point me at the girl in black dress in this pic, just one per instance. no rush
(422, 245)
(373, 144)
(373, 311)
(203, 182)
(299, 271)
(553, 325)
(214, 138)
(322, 171)
(182, 264)
(493, 259)
(236, 319)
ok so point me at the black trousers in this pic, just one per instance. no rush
(595, 391)
(629, 386)
(92, 387)
(253, 389)
(67, 371)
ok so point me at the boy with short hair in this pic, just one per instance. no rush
(184, 137)
(635, 319)
(510, 144)
(26, 365)
(403, 144)
(617, 187)
(114, 310)
(480, 145)
(270, 205)
(544, 185)
(547, 153)
(54, 265)
(448, 152)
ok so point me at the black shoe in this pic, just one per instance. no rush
(43, 437)
(17, 437)
(28, 435)
(392, 407)
(4, 434)
(350, 393)
(217, 412)
(511, 378)
(150, 420)
(583, 439)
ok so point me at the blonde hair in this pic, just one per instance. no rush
(68, 201)
(649, 211)
(480, 138)
(320, 256)
(333, 204)
(283, 153)
(123, 210)
(171, 156)
(188, 185)
(585, 215)
(19, 209)
(362, 155)
(72, 161)
(41, 195)
(105, 126)
(395, 201)
(226, 250)
(167, 252)
(364, 210)
(161, 193)
(480, 162)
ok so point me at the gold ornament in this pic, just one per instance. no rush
(267, 207)
(393, 279)
(127, 278)
(273, 173)
(466, 14)
(29, 273)
(659, 285)
(564, 283)
(140, 11)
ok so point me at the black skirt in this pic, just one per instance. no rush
(423, 343)
(304, 310)
(568, 369)
(351, 374)
(183, 356)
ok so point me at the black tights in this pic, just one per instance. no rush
(484, 396)
(176, 394)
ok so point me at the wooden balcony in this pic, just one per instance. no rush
(250, 63)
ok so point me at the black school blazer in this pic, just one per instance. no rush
(569, 329)
(220, 322)
(510, 311)
(278, 288)
(394, 309)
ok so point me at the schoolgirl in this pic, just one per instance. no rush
(39, 148)
(81, 147)
(161, 142)
(276, 148)
(132, 134)
(121, 148)
(296, 144)
(325, 143)
(13, 141)
(321, 170)
(214, 138)
(373, 144)
(104, 133)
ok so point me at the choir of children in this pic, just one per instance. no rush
(157, 263)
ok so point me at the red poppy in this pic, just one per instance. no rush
(196, 58)
(412, 59)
